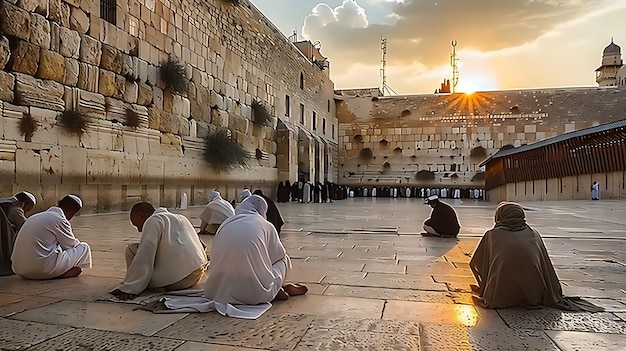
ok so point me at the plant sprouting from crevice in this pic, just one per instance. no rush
(262, 116)
(73, 121)
(132, 118)
(174, 75)
(223, 153)
(28, 125)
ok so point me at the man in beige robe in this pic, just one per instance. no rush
(215, 213)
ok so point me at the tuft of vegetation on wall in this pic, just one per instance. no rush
(478, 152)
(424, 175)
(366, 154)
(358, 138)
(132, 118)
(262, 116)
(173, 73)
(223, 153)
(406, 113)
(28, 125)
(73, 121)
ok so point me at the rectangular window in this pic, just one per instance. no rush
(314, 121)
(287, 106)
(108, 10)
(301, 113)
(324, 126)
(328, 105)
(333, 131)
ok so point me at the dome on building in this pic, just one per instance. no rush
(612, 49)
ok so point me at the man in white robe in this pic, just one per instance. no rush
(374, 192)
(306, 192)
(46, 247)
(248, 261)
(15, 208)
(215, 213)
(169, 255)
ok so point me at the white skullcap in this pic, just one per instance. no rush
(214, 194)
(30, 196)
(244, 194)
(433, 198)
(253, 204)
(76, 199)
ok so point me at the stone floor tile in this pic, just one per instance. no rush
(621, 315)
(270, 331)
(456, 283)
(305, 275)
(570, 290)
(390, 294)
(552, 319)
(84, 288)
(458, 338)
(198, 346)
(454, 314)
(314, 289)
(6, 299)
(609, 305)
(576, 341)
(344, 278)
(331, 305)
(401, 281)
(391, 267)
(328, 266)
(367, 325)
(18, 335)
(341, 339)
(90, 339)
(102, 316)
(28, 303)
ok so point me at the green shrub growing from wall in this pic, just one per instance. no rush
(174, 75)
(73, 122)
(223, 153)
(28, 125)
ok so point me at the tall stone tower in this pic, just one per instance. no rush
(611, 63)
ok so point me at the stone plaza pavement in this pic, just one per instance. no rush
(374, 284)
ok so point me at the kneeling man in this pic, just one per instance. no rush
(169, 254)
(46, 248)
(443, 221)
(215, 213)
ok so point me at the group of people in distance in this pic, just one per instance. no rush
(248, 261)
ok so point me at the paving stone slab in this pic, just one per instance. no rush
(576, 341)
(391, 267)
(367, 325)
(552, 319)
(457, 338)
(90, 339)
(462, 315)
(609, 305)
(198, 346)
(330, 305)
(28, 303)
(84, 288)
(18, 335)
(6, 299)
(622, 316)
(338, 339)
(393, 294)
(401, 281)
(274, 332)
(102, 316)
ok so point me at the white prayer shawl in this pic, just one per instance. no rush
(444, 192)
(373, 192)
(244, 251)
(457, 193)
(46, 248)
(364, 192)
(217, 211)
(408, 192)
(169, 250)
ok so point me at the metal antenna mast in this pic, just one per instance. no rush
(385, 89)
(454, 62)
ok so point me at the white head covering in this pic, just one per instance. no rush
(254, 204)
(433, 198)
(214, 194)
(76, 199)
(244, 194)
(30, 196)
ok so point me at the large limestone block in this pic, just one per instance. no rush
(24, 57)
(144, 94)
(116, 109)
(14, 21)
(184, 128)
(131, 92)
(90, 6)
(90, 50)
(27, 167)
(202, 129)
(74, 162)
(5, 52)
(7, 84)
(91, 104)
(54, 36)
(59, 12)
(239, 123)
(142, 70)
(130, 67)
(111, 59)
(37, 6)
(51, 66)
(168, 123)
(88, 76)
(30, 91)
(71, 72)
(157, 97)
(216, 100)
(111, 84)
(154, 118)
(39, 31)
(79, 21)
(69, 43)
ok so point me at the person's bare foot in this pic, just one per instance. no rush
(73, 272)
(281, 296)
(295, 289)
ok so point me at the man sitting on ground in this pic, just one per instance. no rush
(46, 248)
(443, 221)
(248, 261)
(15, 208)
(215, 213)
(169, 254)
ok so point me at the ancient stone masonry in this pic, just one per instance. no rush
(450, 135)
(60, 55)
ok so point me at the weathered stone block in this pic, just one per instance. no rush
(154, 118)
(39, 31)
(54, 36)
(90, 6)
(144, 94)
(31, 91)
(71, 72)
(51, 66)
(5, 52)
(111, 84)
(79, 21)
(69, 43)
(219, 118)
(129, 67)
(7, 84)
(59, 12)
(153, 75)
(90, 50)
(216, 100)
(130, 92)
(111, 59)
(168, 123)
(24, 57)
(91, 104)
(88, 76)
(37, 6)
(239, 123)
(183, 126)
(142, 70)
(14, 21)
(202, 129)
(157, 97)
(116, 109)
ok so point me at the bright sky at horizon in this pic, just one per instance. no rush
(513, 44)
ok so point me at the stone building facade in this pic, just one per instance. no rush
(440, 140)
(102, 58)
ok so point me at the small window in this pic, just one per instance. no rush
(328, 105)
(301, 80)
(301, 113)
(333, 131)
(324, 126)
(108, 10)
(287, 106)
(314, 121)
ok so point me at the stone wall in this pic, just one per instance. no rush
(59, 55)
(450, 135)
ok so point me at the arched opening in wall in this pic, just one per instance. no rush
(478, 152)
(301, 80)
(366, 155)
(514, 110)
(386, 167)
(479, 177)
(405, 113)
(358, 138)
(424, 175)
(397, 151)
(383, 144)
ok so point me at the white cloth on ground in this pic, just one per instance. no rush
(217, 210)
(169, 250)
(46, 247)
